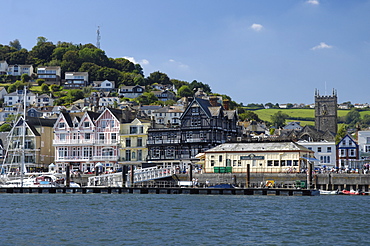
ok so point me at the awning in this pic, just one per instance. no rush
(310, 159)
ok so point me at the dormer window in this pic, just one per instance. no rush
(86, 124)
(62, 125)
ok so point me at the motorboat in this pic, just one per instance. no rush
(352, 192)
(33, 181)
(329, 192)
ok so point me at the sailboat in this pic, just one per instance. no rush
(22, 178)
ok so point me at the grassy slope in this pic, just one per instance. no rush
(265, 114)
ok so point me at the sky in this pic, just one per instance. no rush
(255, 51)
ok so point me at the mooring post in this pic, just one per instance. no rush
(190, 172)
(132, 176)
(124, 175)
(248, 177)
(68, 176)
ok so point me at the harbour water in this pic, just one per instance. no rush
(153, 219)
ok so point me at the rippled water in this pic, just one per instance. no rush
(137, 219)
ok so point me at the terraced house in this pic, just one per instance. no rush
(82, 140)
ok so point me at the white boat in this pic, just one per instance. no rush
(329, 192)
(47, 180)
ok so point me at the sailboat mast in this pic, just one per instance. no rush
(23, 161)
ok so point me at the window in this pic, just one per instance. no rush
(62, 137)
(289, 163)
(318, 149)
(170, 152)
(156, 153)
(128, 155)
(342, 152)
(239, 163)
(367, 140)
(269, 163)
(139, 142)
(113, 137)
(282, 163)
(276, 163)
(139, 155)
(87, 136)
(128, 142)
(133, 155)
(101, 136)
(133, 130)
(87, 151)
(220, 158)
(352, 152)
(103, 124)
(212, 163)
(367, 148)
(62, 125)
(86, 124)
(328, 149)
(195, 121)
(234, 163)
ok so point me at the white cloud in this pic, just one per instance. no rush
(313, 2)
(256, 27)
(132, 59)
(322, 45)
(178, 64)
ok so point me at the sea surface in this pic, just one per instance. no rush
(138, 219)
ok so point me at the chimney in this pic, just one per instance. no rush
(226, 104)
(213, 101)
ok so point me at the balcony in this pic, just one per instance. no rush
(58, 142)
(86, 158)
(164, 141)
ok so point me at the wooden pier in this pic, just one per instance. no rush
(164, 190)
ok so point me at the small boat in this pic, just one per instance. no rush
(34, 181)
(223, 186)
(329, 192)
(352, 192)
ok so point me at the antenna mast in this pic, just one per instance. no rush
(98, 38)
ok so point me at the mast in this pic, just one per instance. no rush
(23, 164)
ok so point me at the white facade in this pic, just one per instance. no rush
(17, 97)
(108, 101)
(17, 70)
(3, 67)
(325, 152)
(364, 144)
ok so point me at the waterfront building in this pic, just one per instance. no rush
(262, 157)
(347, 153)
(203, 125)
(86, 139)
(38, 139)
(133, 139)
(168, 115)
(363, 141)
(325, 152)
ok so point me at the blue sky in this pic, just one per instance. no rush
(255, 51)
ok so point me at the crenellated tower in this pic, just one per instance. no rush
(326, 112)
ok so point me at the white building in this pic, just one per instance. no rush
(364, 144)
(18, 70)
(325, 152)
(17, 97)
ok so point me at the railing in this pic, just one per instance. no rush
(113, 180)
(151, 173)
(84, 158)
(140, 175)
(85, 142)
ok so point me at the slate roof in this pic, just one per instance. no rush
(263, 146)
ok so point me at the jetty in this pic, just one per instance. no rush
(162, 190)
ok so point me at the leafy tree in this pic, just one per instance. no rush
(15, 44)
(93, 55)
(289, 105)
(179, 83)
(18, 57)
(18, 85)
(45, 88)
(41, 53)
(249, 115)
(158, 77)
(278, 119)
(185, 91)
(111, 74)
(342, 131)
(74, 95)
(352, 117)
(41, 40)
(91, 68)
(195, 84)
(54, 88)
(25, 77)
(365, 120)
(146, 98)
(5, 127)
(122, 65)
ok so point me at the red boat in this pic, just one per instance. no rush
(352, 192)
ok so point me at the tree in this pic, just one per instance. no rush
(249, 115)
(146, 98)
(185, 91)
(5, 127)
(179, 83)
(15, 44)
(25, 77)
(352, 117)
(122, 65)
(41, 53)
(45, 88)
(158, 77)
(342, 132)
(195, 84)
(278, 119)
(18, 57)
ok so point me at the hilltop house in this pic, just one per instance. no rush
(18, 70)
(51, 75)
(76, 80)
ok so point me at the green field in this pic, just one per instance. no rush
(265, 114)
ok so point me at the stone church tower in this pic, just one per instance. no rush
(326, 112)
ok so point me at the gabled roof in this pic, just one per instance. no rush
(262, 147)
